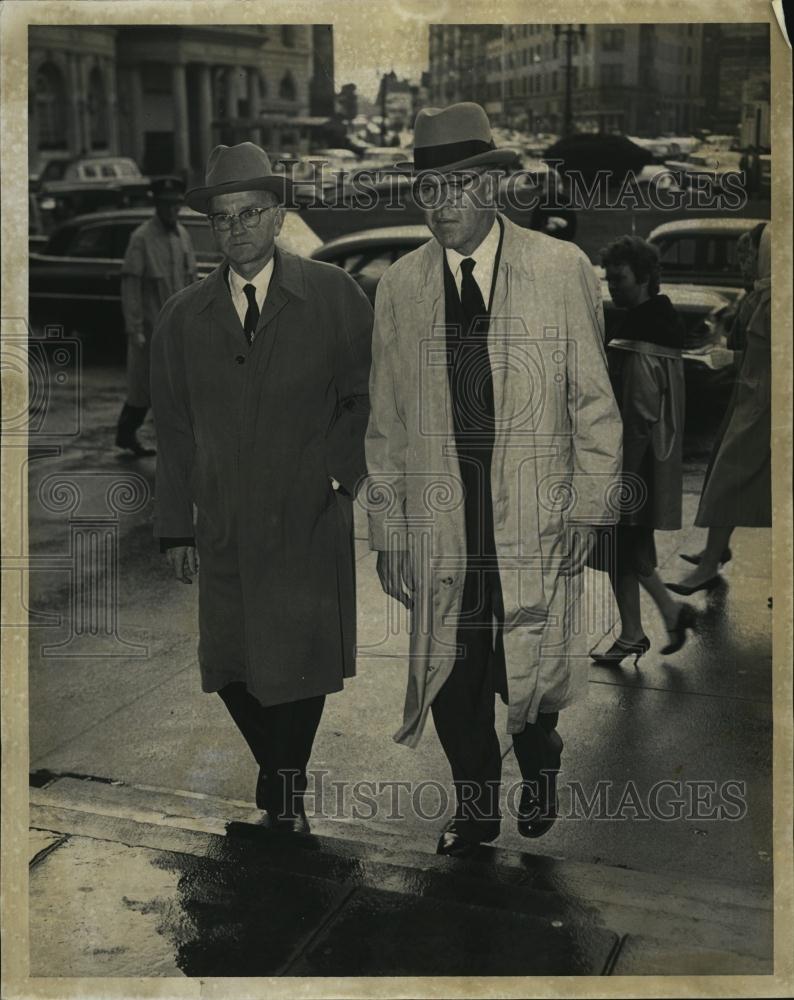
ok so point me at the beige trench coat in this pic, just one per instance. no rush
(556, 458)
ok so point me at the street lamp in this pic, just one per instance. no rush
(569, 31)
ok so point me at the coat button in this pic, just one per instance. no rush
(240, 359)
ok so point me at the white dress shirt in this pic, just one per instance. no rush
(261, 283)
(484, 257)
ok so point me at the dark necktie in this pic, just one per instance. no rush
(251, 313)
(470, 295)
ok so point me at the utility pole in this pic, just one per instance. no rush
(383, 110)
(569, 31)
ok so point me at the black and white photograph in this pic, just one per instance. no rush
(397, 470)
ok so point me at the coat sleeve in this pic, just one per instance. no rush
(132, 271)
(176, 446)
(387, 438)
(345, 442)
(593, 412)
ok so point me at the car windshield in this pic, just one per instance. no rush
(699, 255)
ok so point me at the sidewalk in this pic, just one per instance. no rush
(126, 706)
(129, 882)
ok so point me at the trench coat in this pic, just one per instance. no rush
(738, 487)
(158, 262)
(650, 388)
(250, 437)
(556, 459)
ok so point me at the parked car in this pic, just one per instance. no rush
(75, 281)
(366, 255)
(65, 188)
(702, 252)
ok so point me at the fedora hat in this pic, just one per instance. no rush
(455, 138)
(230, 169)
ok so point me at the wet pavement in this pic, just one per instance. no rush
(117, 696)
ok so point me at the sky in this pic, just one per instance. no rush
(383, 39)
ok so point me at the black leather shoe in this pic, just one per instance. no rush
(685, 591)
(131, 443)
(537, 813)
(454, 846)
(725, 557)
(619, 650)
(687, 619)
(291, 824)
(538, 806)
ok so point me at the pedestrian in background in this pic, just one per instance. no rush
(737, 491)
(735, 341)
(260, 390)
(519, 408)
(159, 262)
(648, 378)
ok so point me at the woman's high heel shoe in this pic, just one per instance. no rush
(687, 618)
(726, 557)
(686, 591)
(619, 650)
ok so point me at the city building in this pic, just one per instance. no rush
(167, 95)
(640, 79)
(458, 59)
(732, 55)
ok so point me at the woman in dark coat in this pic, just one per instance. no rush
(648, 379)
(737, 491)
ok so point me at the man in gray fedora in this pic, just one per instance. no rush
(493, 433)
(259, 386)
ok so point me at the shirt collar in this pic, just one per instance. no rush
(484, 254)
(260, 281)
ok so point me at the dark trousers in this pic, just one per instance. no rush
(463, 713)
(280, 738)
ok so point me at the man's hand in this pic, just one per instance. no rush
(395, 570)
(138, 339)
(183, 560)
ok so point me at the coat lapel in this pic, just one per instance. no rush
(287, 281)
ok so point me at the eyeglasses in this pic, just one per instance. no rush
(250, 218)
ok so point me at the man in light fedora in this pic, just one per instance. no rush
(159, 261)
(493, 433)
(259, 384)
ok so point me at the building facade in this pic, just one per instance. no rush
(458, 62)
(732, 55)
(631, 78)
(167, 95)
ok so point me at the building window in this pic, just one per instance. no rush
(288, 35)
(688, 56)
(614, 40)
(287, 90)
(554, 82)
(262, 86)
(97, 109)
(611, 75)
(50, 101)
